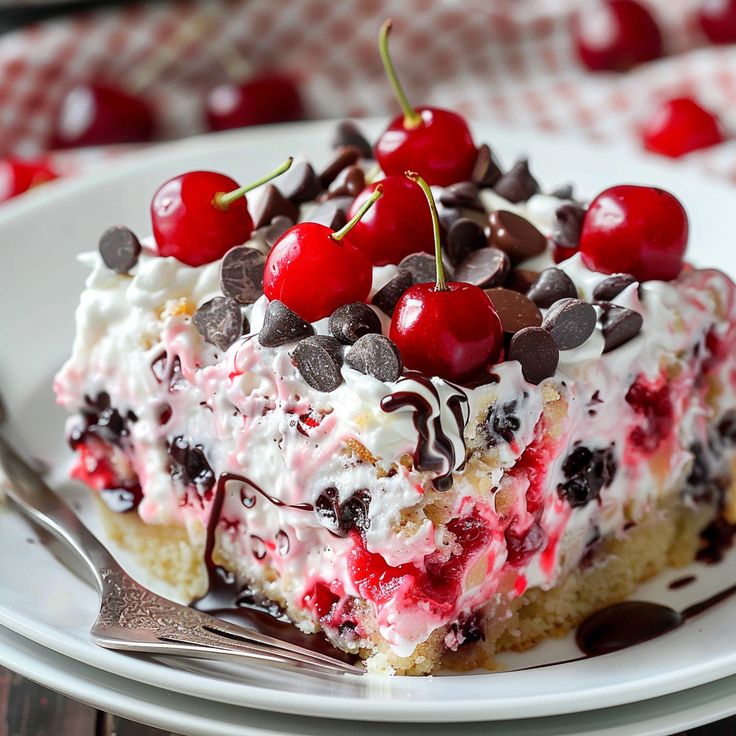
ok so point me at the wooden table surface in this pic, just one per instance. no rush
(27, 709)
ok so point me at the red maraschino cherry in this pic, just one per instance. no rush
(99, 115)
(397, 225)
(638, 230)
(199, 216)
(18, 176)
(445, 329)
(718, 20)
(615, 35)
(680, 126)
(271, 97)
(314, 270)
(434, 142)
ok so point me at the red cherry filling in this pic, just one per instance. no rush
(638, 230)
(434, 142)
(320, 600)
(98, 115)
(18, 176)
(439, 583)
(654, 404)
(679, 126)
(398, 225)
(444, 329)
(718, 20)
(199, 216)
(268, 98)
(615, 35)
(314, 270)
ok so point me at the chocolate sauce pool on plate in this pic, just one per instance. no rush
(633, 622)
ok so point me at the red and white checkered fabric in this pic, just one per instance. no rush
(507, 61)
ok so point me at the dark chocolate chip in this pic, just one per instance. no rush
(271, 204)
(537, 352)
(351, 321)
(517, 184)
(568, 224)
(612, 286)
(281, 325)
(389, 294)
(552, 285)
(514, 310)
(486, 171)
(279, 225)
(619, 325)
(219, 321)
(571, 322)
(421, 266)
(515, 236)
(300, 183)
(319, 359)
(566, 191)
(348, 183)
(463, 237)
(463, 194)
(521, 279)
(333, 213)
(348, 134)
(448, 217)
(377, 356)
(119, 248)
(486, 267)
(241, 274)
(346, 156)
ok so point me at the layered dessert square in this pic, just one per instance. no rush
(304, 462)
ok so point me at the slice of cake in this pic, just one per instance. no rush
(289, 452)
(384, 413)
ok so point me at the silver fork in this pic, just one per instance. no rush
(133, 618)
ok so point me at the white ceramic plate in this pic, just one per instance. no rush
(193, 717)
(42, 600)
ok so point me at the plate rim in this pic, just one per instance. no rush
(30, 660)
(320, 705)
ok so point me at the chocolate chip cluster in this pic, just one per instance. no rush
(319, 358)
(480, 249)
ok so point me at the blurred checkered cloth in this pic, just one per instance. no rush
(505, 61)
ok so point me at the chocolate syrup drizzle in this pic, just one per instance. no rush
(227, 599)
(634, 622)
(438, 454)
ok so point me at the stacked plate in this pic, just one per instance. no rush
(680, 680)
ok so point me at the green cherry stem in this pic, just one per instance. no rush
(440, 284)
(223, 200)
(411, 117)
(345, 229)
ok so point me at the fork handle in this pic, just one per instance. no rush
(37, 501)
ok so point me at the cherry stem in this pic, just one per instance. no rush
(411, 117)
(345, 229)
(440, 284)
(223, 200)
